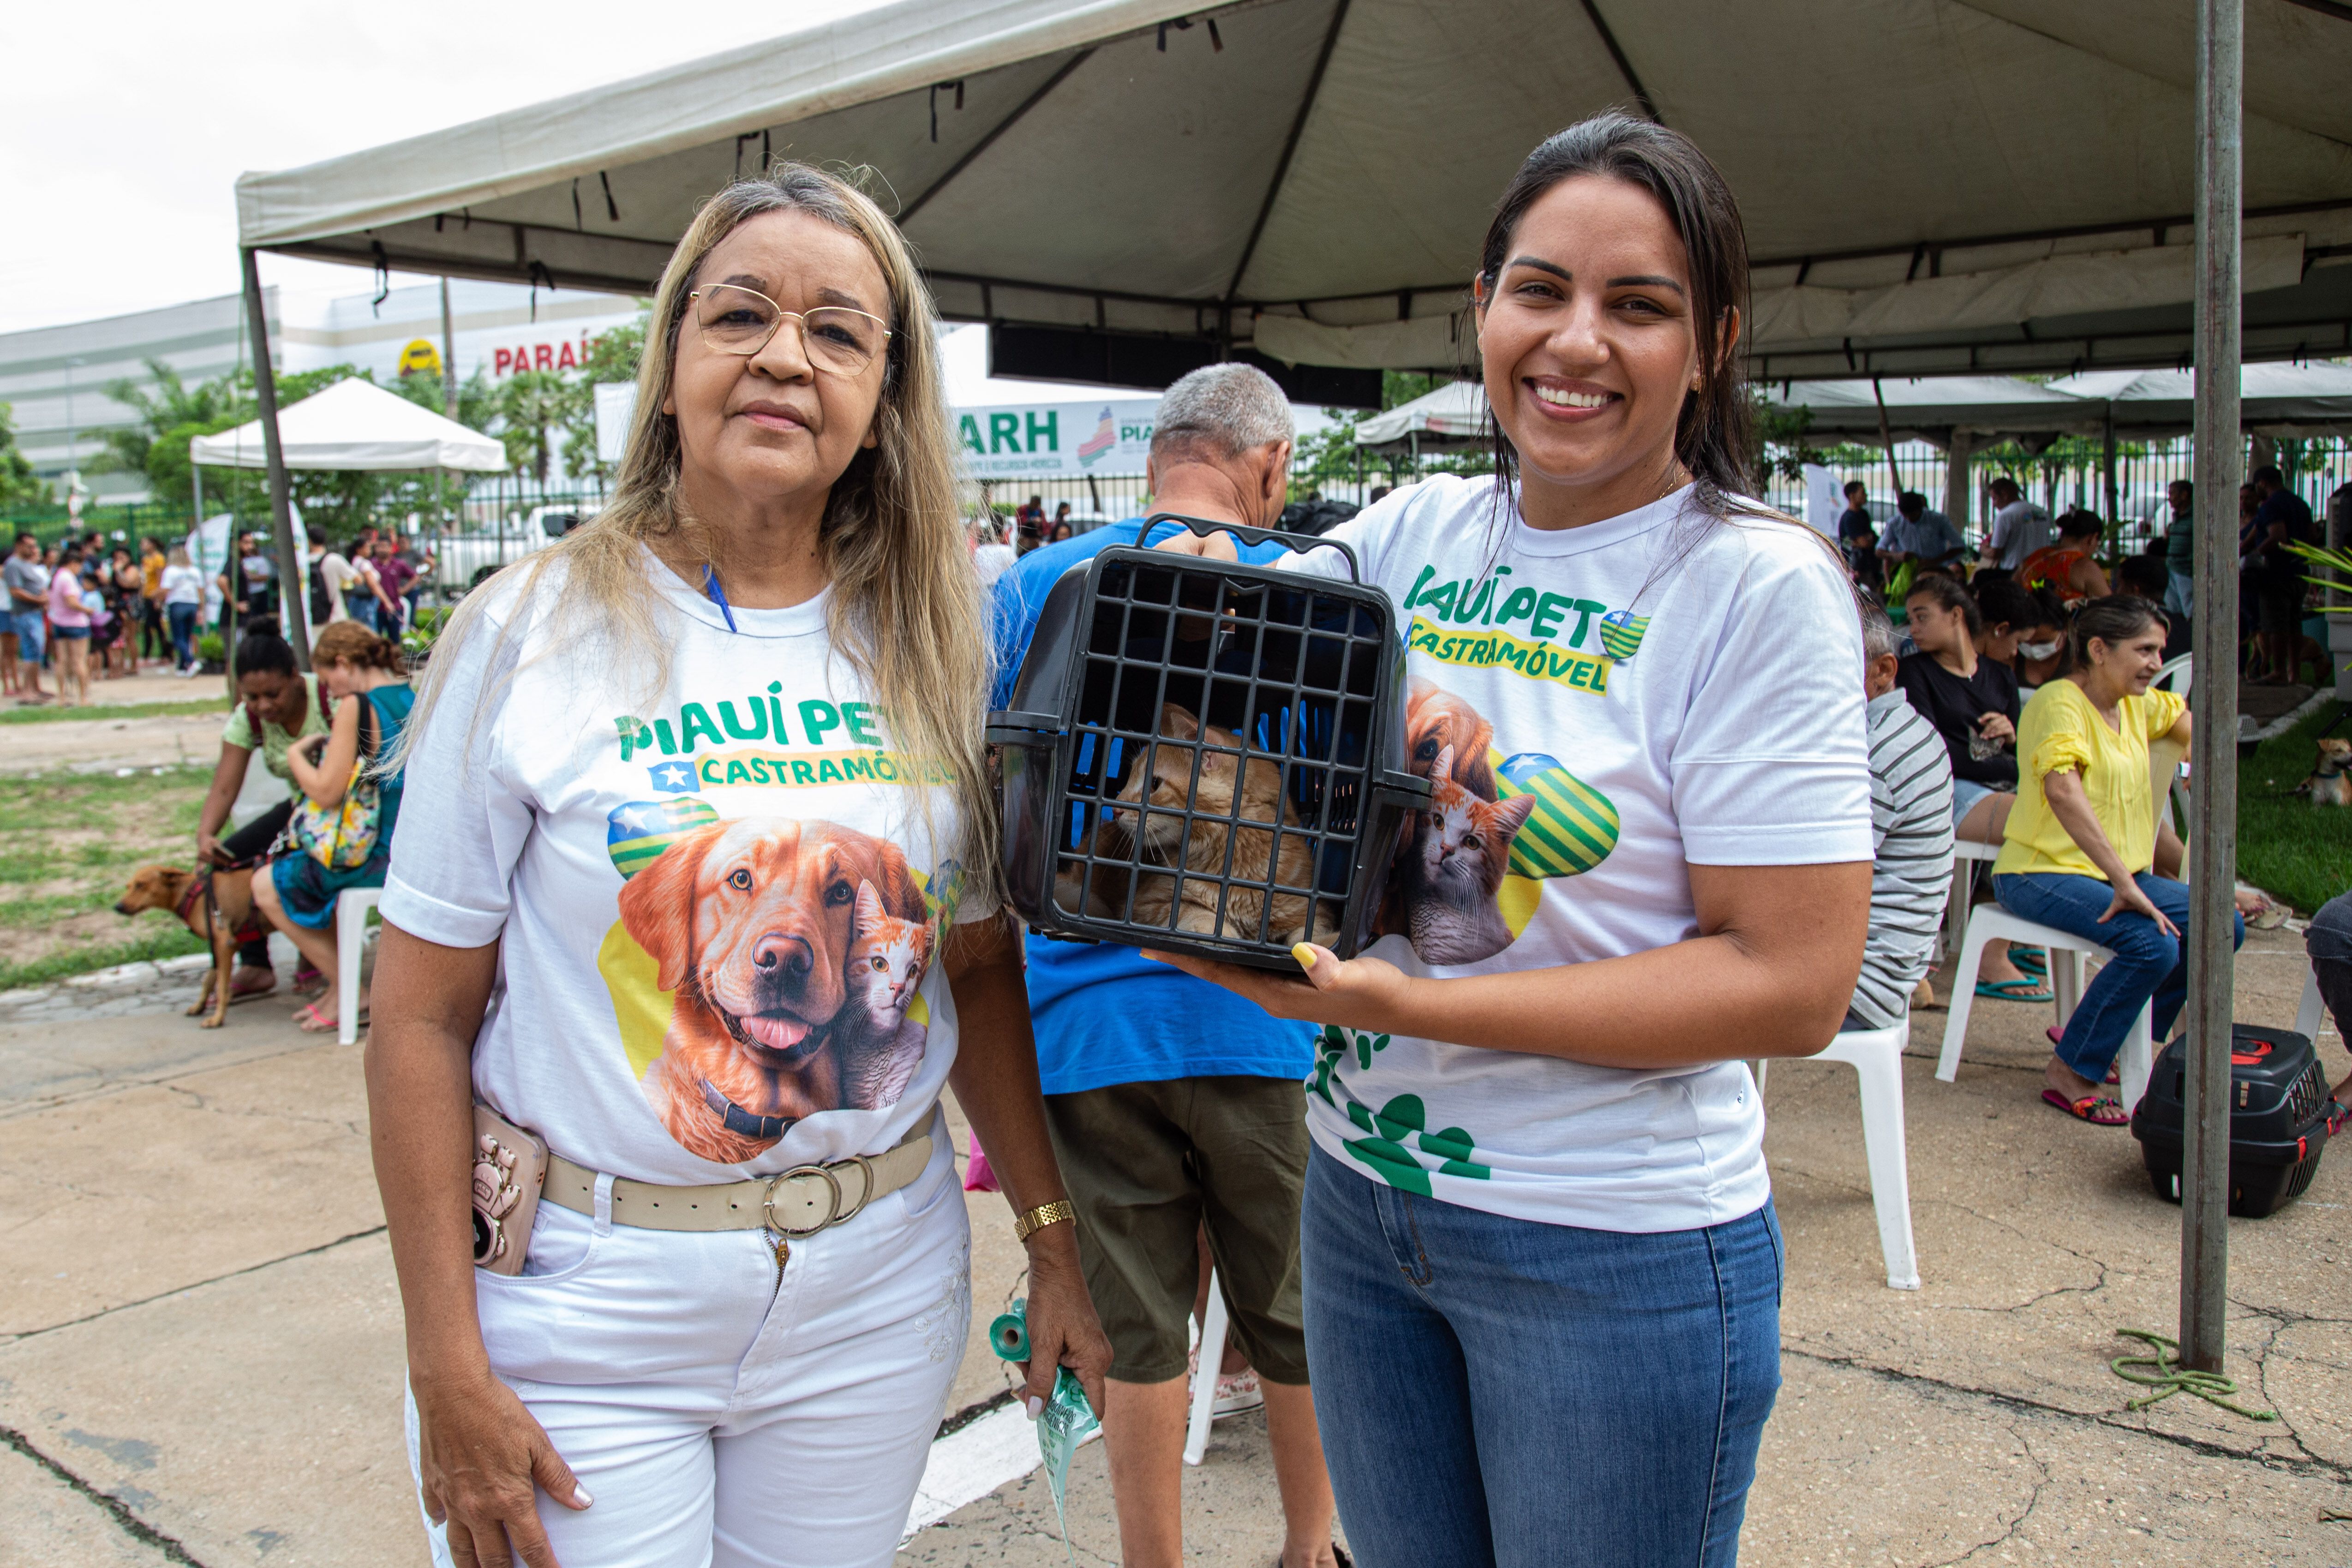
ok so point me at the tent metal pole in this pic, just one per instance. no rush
(1886, 438)
(292, 602)
(2213, 800)
(448, 396)
(2107, 469)
(1955, 479)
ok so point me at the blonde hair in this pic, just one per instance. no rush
(905, 609)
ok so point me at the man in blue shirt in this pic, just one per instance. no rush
(1176, 1107)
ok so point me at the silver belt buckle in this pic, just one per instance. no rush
(768, 1203)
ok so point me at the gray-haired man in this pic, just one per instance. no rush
(1175, 1106)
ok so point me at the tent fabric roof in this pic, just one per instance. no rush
(355, 423)
(1453, 416)
(1991, 185)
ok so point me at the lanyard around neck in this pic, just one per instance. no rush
(718, 594)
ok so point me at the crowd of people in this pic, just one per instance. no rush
(2035, 665)
(79, 609)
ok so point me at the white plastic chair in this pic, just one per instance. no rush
(1876, 1058)
(1205, 1375)
(2068, 954)
(2310, 1013)
(350, 943)
(1967, 856)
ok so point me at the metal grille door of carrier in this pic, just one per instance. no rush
(1222, 758)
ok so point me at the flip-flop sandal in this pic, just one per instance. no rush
(1338, 1552)
(308, 1020)
(2033, 961)
(249, 993)
(2020, 990)
(2095, 1109)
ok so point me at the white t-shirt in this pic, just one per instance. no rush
(1616, 702)
(183, 586)
(716, 921)
(333, 572)
(991, 561)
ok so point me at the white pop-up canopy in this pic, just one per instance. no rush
(2272, 399)
(355, 423)
(1449, 419)
(1127, 190)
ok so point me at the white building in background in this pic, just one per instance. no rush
(55, 378)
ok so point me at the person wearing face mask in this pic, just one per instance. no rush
(2088, 852)
(2026, 631)
(1537, 1198)
(694, 884)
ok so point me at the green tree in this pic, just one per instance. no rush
(612, 357)
(533, 407)
(477, 404)
(18, 484)
(219, 404)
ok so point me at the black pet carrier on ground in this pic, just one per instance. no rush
(2280, 1118)
(1204, 756)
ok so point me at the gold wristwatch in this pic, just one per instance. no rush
(1041, 1216)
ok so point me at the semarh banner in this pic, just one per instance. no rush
(1008, 441)
(1055, 440)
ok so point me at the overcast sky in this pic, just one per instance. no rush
(125, 127)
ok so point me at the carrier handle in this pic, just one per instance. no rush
(1301, 542)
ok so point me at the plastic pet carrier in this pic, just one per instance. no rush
(1206, 756)
(2281, 1118)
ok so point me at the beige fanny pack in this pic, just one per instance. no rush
(799, 1202)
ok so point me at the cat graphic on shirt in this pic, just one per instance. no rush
(1453, 868)
(880, 1045)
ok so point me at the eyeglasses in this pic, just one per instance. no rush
(833, 338)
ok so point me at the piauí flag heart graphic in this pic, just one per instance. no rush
(635, 833)
(1621, 634)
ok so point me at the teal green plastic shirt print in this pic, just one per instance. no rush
(1068, 1422)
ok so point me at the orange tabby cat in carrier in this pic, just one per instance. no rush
(1168, 783)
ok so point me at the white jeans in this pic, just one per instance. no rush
(717, 1418)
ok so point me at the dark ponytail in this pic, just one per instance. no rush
(1711, 437)
(262, 651)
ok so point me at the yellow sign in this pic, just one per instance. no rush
(420, 358)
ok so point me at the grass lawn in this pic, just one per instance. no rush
(2287, 845)
(52, 713)
(69, 843)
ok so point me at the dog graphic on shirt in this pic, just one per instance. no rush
(767, 932)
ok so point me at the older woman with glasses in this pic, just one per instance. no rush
(694, 888)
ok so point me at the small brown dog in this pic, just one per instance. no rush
(2330, 783)
(216, 905)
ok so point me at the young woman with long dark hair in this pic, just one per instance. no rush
(1542, 1272)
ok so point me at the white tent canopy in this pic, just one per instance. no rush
(1929, 408)
(355, 423)
(1448, 419)
(1126, 191)
(2273, 399)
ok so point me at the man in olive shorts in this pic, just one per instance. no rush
(1176, 1107)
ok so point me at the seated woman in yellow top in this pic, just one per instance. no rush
(2085, 849)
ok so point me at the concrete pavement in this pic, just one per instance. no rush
(199, 1343)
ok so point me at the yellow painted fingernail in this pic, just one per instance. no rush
(1304, 954)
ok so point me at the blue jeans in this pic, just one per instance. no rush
(183, 634)
(32, 634)
(1496, 1391)
(2149, 969)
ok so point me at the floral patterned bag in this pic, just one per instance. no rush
(343, 836)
